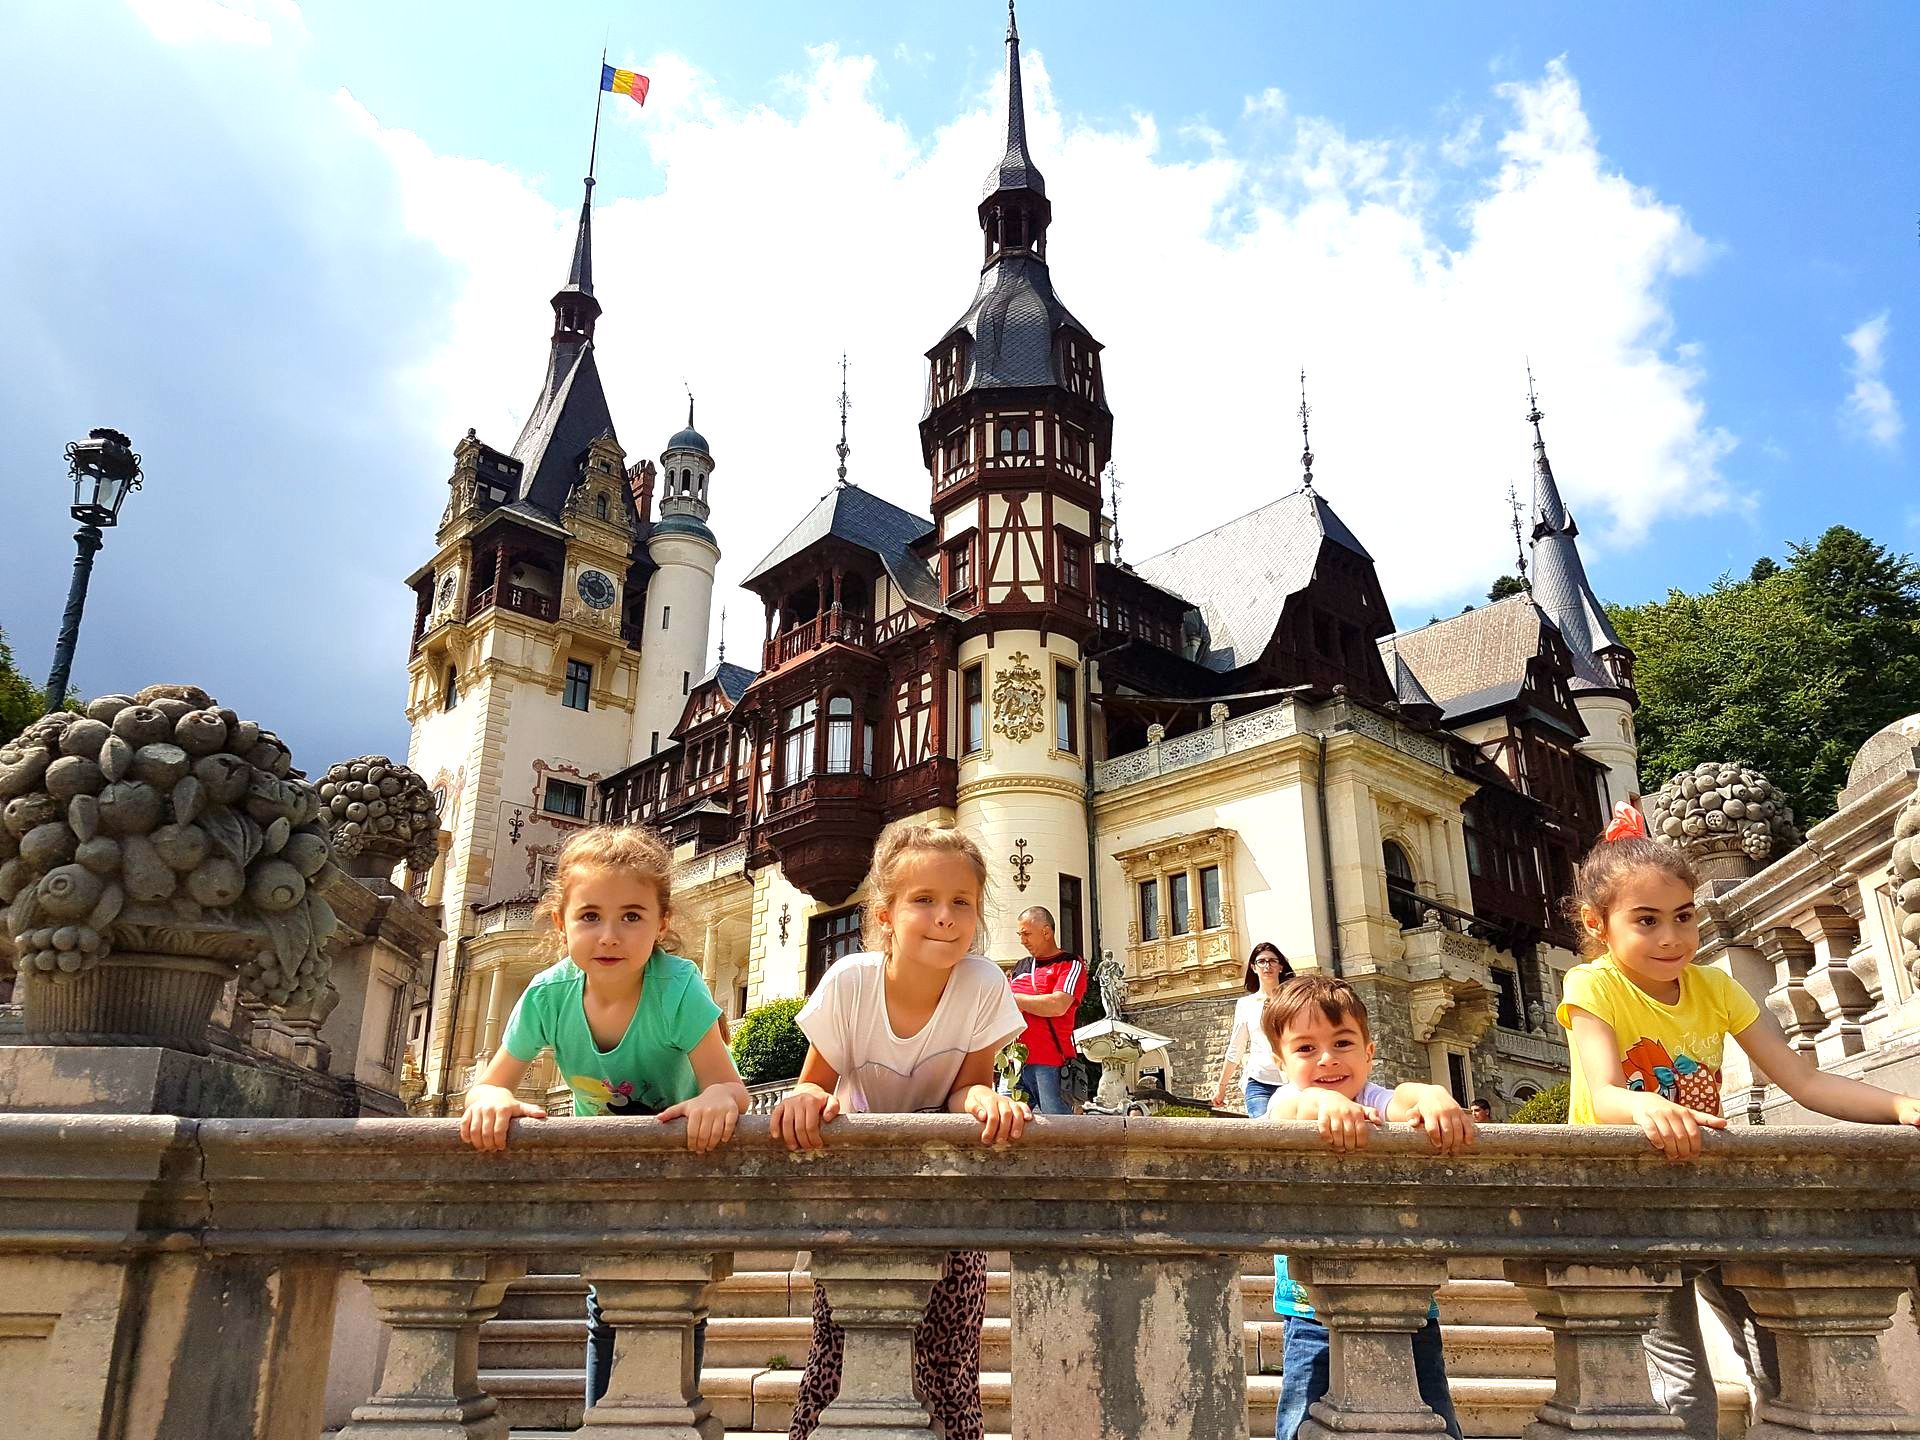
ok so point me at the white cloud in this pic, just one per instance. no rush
(221, 22)
(1871, 409)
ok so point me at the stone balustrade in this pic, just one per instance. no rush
(162, 1276)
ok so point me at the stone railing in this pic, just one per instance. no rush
(1536, 1047)
(507, 915)
(714, 865)
(762, 1098)
(157, 1272)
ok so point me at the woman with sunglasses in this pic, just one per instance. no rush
(1248, 1047)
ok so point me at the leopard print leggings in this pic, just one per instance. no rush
(946, 1353)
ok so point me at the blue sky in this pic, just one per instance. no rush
(295, 253)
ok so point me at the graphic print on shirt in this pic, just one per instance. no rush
(1679, 1078)
(616, 1097)
(879, 1089)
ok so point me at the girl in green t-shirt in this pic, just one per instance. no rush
(632, 1027)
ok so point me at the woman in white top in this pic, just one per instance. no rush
(1248, 1047)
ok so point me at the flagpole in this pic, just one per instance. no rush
(599, 89)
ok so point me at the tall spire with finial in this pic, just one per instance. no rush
(1014, 210)
(843, 449)
(1306, 444)
(1111, 477)
(1519, 540)
(1560, 586)
(723, 634)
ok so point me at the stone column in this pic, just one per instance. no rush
(1372, 1307)
(1830, 980)
(1826, 1318)
(653, 1301)
(1598, 1315)
(496, 1012)
(434, 1306)
(877, 1299)
(1797, 1010)
(1457, 861)
(1108, 1347)
(1441, 861)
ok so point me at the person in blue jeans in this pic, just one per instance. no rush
(1048, 985)
(1318, 1029)
(1247, 1046)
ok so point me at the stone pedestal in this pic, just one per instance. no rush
(1108, 1347)
(150, 1080)
(1372, 1309)
(434, 1305)
(1827, 1319)
(128, 998)
(1598, 1315)
(877, 1299)
(653, 1302)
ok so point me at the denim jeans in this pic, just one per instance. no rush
(600, 1349)
(1259, 1096)
(1042, 1084)
(1305, 1375)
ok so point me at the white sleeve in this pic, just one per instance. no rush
(1238, 1041)
(996, 1019)
(827, 1017)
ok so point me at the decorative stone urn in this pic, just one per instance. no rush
(1906, 882)
(155, 848)
(1728, 819)
(381, 813)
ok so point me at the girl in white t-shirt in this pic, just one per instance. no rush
(911, 1025)
(1247, 1046)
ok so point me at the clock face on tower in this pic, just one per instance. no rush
(596, 588)
(449, 586)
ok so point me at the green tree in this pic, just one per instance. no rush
(1504, 586)
(1763, 567)
(1791, 671)
(21, 701)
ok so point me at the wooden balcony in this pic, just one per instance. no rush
(823, 829)
(517, 598)
(196, 1264)
(835, 627)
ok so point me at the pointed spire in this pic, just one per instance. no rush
(1306, 443)
(1519, 542)
(1016, 170)
(690, 407)
(1112, 478)
(580, 277)
(843, 449)
(1549, 511)
(723, 634)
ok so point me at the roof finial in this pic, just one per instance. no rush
(689, 405)
(1112, 476)
(1519, 544)
(723, 634)
(1013, 26)
(1534, 413)
(843, 449)
(1306, 445)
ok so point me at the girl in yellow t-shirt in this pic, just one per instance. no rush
(1646, 1028)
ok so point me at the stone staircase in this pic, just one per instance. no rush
(1499, 1363)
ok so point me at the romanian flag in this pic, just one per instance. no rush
(624, 82)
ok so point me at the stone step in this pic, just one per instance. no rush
(1490, 1352)
(769, 1341)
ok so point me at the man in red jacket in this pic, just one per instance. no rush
(1047, 986)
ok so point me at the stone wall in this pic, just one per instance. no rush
(1200, 1030)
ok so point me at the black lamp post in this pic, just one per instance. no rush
(104, 469)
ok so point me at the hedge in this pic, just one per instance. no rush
(1549, 1107)
(767, 1045)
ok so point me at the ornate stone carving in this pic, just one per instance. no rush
(1019, 700)
(159, 832)
(1906, 882)
(1427, 1005)
(1729, 819)
(1022, 861)
(381, 813)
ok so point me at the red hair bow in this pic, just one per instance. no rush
(1628, 823)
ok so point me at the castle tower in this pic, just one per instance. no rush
(1015, 433)
(673, 639)
(1603, 690)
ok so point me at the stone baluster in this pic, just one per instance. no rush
(1797, 1010)
(653, 1301)
(1371, 1307)
(1599, 1315)
(1826, 1318)
(877, 1300)
(1830, 980)
(1112, 1345)
(434, 1305)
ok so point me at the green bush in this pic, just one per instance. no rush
(767, 1045)
(1549, 1107)
(1176, 1112)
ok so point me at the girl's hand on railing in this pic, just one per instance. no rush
(1674, 1129)
(797, 1119)
(490, 1109)
(1000, 1116)
(711, 1116)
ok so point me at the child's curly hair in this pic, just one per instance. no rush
(1596, 884)
(901, 842)
(630, 849)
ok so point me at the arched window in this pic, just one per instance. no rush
(600, 506)
(450, 692)
(839, 736)
(1402, 899)
(1006, 439)
(1023, 439)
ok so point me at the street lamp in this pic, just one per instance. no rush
(104, 470)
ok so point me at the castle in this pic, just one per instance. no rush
(1226, 742)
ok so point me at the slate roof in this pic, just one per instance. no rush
(1241, 574)
(1407, 688)
(733, 679)
(1473, 661)
(862, 518)
(1016, 170)
(569, 416)
(1560, 585)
